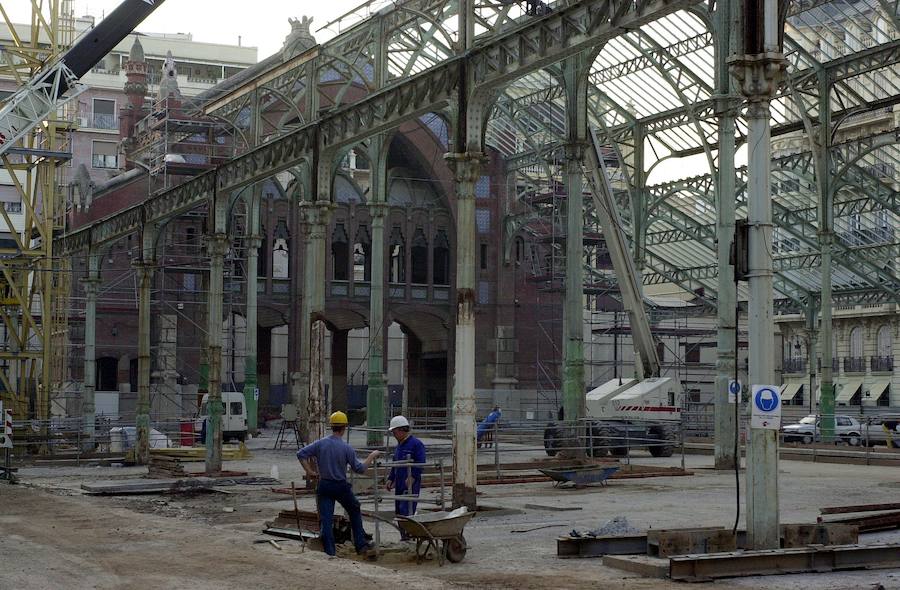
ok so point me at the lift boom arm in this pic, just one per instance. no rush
(57, 83)
(623, 265)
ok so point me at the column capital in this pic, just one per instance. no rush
(254, 241)
(378, 210)
(217, 244)
(91, 283)
(142, 265)
(466, 166)
(574, 150)
(758, 76)
(315, 212)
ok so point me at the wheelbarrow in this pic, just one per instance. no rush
(580, 475)
(430, 528)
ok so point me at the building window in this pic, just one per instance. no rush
(281, 258)
(104, 115)
(13, 206)
(104, 155)
(483, 257)
(856, 342)
(398, 256)
(441, 259)
(885, 342)
(340, 253)
(483, 220)
(692, 353)
(419, 257)
(362, 259)
(520, 249)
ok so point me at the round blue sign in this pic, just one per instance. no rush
(766, 399)
(734, 387)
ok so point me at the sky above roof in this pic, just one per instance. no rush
(262, 24)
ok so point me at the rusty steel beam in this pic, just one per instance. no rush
(696, 568)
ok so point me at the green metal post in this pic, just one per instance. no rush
(826, 238)
(377, 390)
(251, 395)
(573, 311)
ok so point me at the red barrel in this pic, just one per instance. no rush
(187, 433)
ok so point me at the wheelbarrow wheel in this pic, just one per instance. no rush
(456, 549)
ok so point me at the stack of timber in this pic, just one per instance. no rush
(185, 454)
(163, 466)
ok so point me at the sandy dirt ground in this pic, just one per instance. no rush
(52, 536)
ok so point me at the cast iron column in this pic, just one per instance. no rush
(217, 246)
(145, 279)
(760, 75)
(250, 368)
(88, 406)
(573, 312)
(466, 168)
(375, 394)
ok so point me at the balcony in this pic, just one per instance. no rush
(835, 365)
(105, 121)
(854, 364)
(794, 365)
(882, 364)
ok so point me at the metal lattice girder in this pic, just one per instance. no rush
(35, 102)
(501, 57)
(675, 50)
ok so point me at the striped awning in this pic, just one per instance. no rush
(877, 390)
(849, 389)
(789, 391)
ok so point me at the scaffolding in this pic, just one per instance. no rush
(34, 285)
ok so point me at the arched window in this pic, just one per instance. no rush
(441, 259)
(419, 257)
(398, 256)
(340, 252)
(362, 259)
(262, 261)
(281, 257)
(856, 342)
(885, 342)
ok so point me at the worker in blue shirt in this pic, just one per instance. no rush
(332, 456)
(487, 427)
(405, 480)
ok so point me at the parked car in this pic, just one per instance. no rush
(234, 416)
(877, 430)
(846, 428)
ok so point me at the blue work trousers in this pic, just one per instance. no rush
(406, 507)
(328, 492)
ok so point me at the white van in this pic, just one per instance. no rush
(234, 417)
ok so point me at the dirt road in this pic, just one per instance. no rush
(50, 541)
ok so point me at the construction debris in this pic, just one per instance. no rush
(163, 467)
(860, 508)
(619, 525)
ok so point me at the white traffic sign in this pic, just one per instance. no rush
(765, 407)
(734, 389)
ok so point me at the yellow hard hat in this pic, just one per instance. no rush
(339, 419)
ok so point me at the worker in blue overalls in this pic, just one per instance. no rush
(487, 428)
(405, 480)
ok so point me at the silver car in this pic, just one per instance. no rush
(846, 428)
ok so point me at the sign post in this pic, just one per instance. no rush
(734, 390)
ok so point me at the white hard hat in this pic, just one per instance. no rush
(398, 422)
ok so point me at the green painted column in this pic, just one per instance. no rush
(217, 245)
(466, 168)
(376, 393)
(573, 309)
(826, 401)
(142, 419)
(251, 382)
(88, 406)
(727, 105)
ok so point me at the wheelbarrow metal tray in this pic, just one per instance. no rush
(581, 474)
(438, 525)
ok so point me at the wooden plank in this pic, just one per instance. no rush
(145, 486)
(860, 508)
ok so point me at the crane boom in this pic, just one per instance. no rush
(623, 265)
(58, 83)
